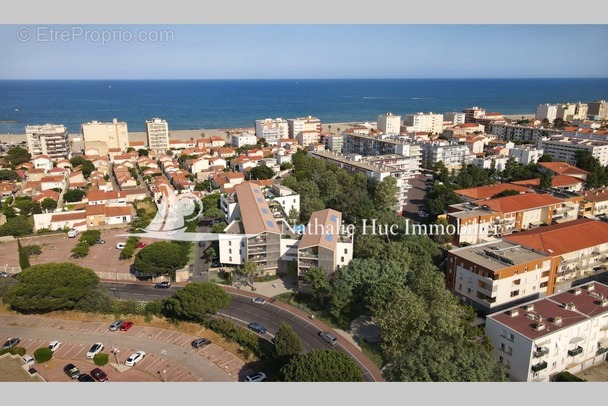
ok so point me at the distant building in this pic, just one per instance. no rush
(598, 110)
(526, 154)
(240, 140)
(455, 118)
(424, 122)
(272, 130)
(48, 139)
(157, 131)
(516, 132)
(309, 123)
(307, 137)
(389, 124)
(334, 143)
(452, 155)
(471, 114)
(105, 136)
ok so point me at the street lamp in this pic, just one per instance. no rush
(115, 351)
(164, 375)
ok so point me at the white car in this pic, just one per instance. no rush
(54, 345)
(259, 300)
(29, 360)
(73, 233)
(94, 350)
(120, 245)
(135, 358)
(256, 377)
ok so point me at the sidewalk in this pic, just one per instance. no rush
(346, 344)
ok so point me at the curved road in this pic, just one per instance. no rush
(242, 311)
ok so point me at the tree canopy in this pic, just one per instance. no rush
(17, 156)
(287, 342)
(321, 366)
(53, 286)
(160, 258)
(195, 302)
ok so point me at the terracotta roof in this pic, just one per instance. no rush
(557, 181)
(52, 179)
(97, 195)
(323, 229)
(485, 192)
(95, 209)
(69, 216)
(117, 211)
(563, 238)
(515, 203)
(562, 168)
(137, 143)
(45, 157)
(596, 195)
(257, 216)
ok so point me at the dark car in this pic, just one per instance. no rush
(328, 338)
(100, 241)
(72, 371)
(257, 327)
(200, 342)
(201, 244)
(85, 378)
(162, 285)
(99, 375)
(11, 342)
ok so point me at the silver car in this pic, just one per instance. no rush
(116, 325)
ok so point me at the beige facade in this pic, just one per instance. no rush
(48, 139)
(113, 134)
(157, 131)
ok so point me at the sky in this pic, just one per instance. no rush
(274, 51)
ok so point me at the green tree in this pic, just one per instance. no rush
(77, 161)
(321, 366)
(319, 284)
(7, 174)
(16, 226)
(24, 261)
(43, 354)
(546, 180)
(52, 286)
(438, 199)
(287, 343)
(249, 269)
(90, 237)
(17, 156)
(261, 172)
(160, 258)
(195, 302)
(385, 197)
(101, 359)
(87, 168)
(80, 250)
(142, 152)
(48, 204)
(73, 195)
(95, 301)
(545, 158)
(24, 205)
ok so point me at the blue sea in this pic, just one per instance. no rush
(196, 104)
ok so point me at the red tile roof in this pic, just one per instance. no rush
(485, 192)
(562, 168)
(515, 203)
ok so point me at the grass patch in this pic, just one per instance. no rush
(372, 351)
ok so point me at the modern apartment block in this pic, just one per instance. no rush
(523, 266)
(105, 136)
(598, 109)
(324, 244)
(567, 331)
(377, 167)
(334, 143)
(367, 145)
(157, 131)
(280, 199)
(309, 123)
(452, 155)
(563, 148)
(566, 111)
(48, 139)
(526, 154)
(424, 122)
(272, 130)
(514, 132)
(595, 203)
(455, 118)
(547, 111)
(389, 124)
(240, 140)
(471, 114)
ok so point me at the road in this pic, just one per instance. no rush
(416, 198)
(200, 272)
(242, 311)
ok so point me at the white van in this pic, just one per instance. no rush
(120, 245)
(73, 233)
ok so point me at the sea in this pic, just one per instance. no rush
(210, 104)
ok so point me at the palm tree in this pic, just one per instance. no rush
(329, 127)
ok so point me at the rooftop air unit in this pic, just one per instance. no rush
(557, 320)
(529, 307)
(513, 312)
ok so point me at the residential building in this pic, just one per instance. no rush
(463, 129)
(104, 136)
(43, 162)
(547, 111)
(309, 123)
(389, 124)
(497, 162)
(368, 145)
(59, 221)
(526, 154)
(48, 139)
(307, 137)
(558, 182)
(515, 132)
(101, 215)
(334, 143)
(564, 332)
(487, 192)
(424, 122)
(157, 131)
(325, 244)
(595, 203)
(272, 130)
(451, 154)
(240, 140)
(563, 168)
(473, 113)
(564, 148)
(598, 109)
(280, 199)
(455, 118)
(572, 111)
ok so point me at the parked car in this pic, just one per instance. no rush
(256, 377)
(163, 285)
(3, 274)
(328, 338)
(100, 241)
(54, 345)
(94, 350)
(72, 371)
(11, 342)
(29, 360)
(99, 375)
(257, 327)
(201, 244)
(135, 358)
(73, 233)
(116, 325)
(126, 326)
(258, 300)
(141, 245)
(200, 342)
(85, 378)
(120, 245)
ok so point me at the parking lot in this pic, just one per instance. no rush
(169, 354)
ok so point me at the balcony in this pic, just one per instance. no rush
(540, 352)
(573, 353)
(600, 351)
(539, 367)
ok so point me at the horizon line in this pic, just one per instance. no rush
(295, 79)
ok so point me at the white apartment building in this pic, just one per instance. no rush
(157, 131)
(48, 139)
(572, 111)
(272, 130)
(564, 149)
(526, 154)
(547, 111)
(277, 194)
(471, 114)
(306, 138)
(499, 162)
(424, 122)
(598, 109)
(455, 118)
(240, 140)
(309, 123)
(105, 136)
(389, 124)
(452, 155)
(334, 143)
(567, 331)
(516, 132)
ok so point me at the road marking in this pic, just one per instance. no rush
(153, 362)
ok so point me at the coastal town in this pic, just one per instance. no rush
(504, 216)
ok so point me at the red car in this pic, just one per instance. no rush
(99, 375)
(126, 325)
(141, 245)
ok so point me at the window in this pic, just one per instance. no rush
(230, 250)
(346, 250)
(341, 259)
(230, 259)
(229, 243)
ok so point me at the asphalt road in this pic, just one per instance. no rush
(201, 266)
(242, 311)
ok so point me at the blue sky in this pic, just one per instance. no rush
(302, 51)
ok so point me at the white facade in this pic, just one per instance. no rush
(113, 135)
(310, 123)
(526, 154)
(272, 130)
(547, 111)
(424, 122)
(157, 131)
(334, 143)
(452, 155)
(240, 140)
(455, 117)
(389, 124)
(305, 138)
(500, 162)
(48, 139)
(564, 149)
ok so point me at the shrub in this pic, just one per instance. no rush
(43, 354)
(242, 336)
(101, 359)
(81, 250)
(14, 351)
(153, 308)
(129, 249)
